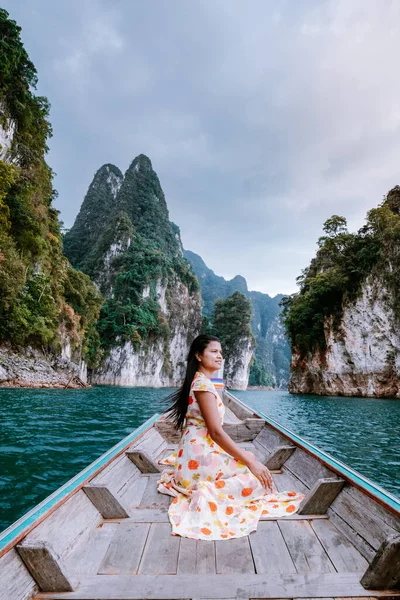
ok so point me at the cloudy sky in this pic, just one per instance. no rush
(262, 119)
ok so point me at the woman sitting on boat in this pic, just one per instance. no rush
(220, 490)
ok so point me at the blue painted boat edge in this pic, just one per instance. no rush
(17, 530)
(372, 489)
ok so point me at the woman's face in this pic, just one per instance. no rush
(211, 358)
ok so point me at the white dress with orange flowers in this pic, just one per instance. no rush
(216, 496)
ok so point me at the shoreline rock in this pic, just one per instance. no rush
(260, 388)
(30, 368)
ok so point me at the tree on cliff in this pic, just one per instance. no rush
(123, 239)
(231, 322)
(35, 278)
(342, 264)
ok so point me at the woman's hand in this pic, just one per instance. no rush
(262, 474)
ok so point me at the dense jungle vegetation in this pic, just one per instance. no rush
(41, 296)
(123, 239)
(342, 264)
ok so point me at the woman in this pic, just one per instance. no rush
(220, 489)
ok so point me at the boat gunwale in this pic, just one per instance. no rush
(388, 500)
(10, 536)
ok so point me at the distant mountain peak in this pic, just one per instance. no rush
(141, 163)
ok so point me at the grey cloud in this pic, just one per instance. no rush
(261, 121)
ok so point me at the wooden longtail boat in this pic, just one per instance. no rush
(105, 534)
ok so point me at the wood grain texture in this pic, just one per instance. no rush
(270, 439)
(240, 587)
(75, 518)
(168, 431)
(304, 547)
(321, 496)
(143, 461)
(125, 549)
(245, 431)
(286, 482)
(278, 456)
(354, 538)
(341, 552)
(133, 493)
(46, 567)
(117, 474)
(306, 468)
(86, 557)
(234, 556)
(16, 581)
(160, 555)
(152, 498)
(108, 505)
(270, 553)
(196, 557)
(384, 571)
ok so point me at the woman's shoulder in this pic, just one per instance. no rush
(201, 383)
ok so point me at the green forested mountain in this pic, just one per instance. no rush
(335, 277)
(42, 299)
(271, 362)
(130, 248)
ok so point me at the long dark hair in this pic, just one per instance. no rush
(180, 398)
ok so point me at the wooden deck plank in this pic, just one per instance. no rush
(125, 550)
(160, 555)
(234, 556)
(86, 558)
(269, 550)
(137, 587)
(187, 557)
(196, 557)
(355, 539)
(152, 498)
(205, 557)
(286, 482)
(305, 549)
(343, 554)
(133, 493)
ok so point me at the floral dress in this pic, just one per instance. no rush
(216, 496)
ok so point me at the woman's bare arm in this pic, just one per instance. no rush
(209, 410)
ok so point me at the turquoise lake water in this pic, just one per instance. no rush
(48, 436)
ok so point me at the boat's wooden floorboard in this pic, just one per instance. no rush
(143, 545)
(229, 586)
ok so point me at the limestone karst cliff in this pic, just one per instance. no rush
(270, 357)
(123, 239)
(47, 309)
(344, 322)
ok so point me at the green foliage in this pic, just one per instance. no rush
(84, 242)
(335, 276)
(33, 273)
(231, 323)
(271, 350)
(126, 243)
(259, 375)
(81, 312)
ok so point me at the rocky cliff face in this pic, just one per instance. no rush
(161, 363)
(134, 254)
(236, 371)
(272, 351)
(362, 356)
(344, 321)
